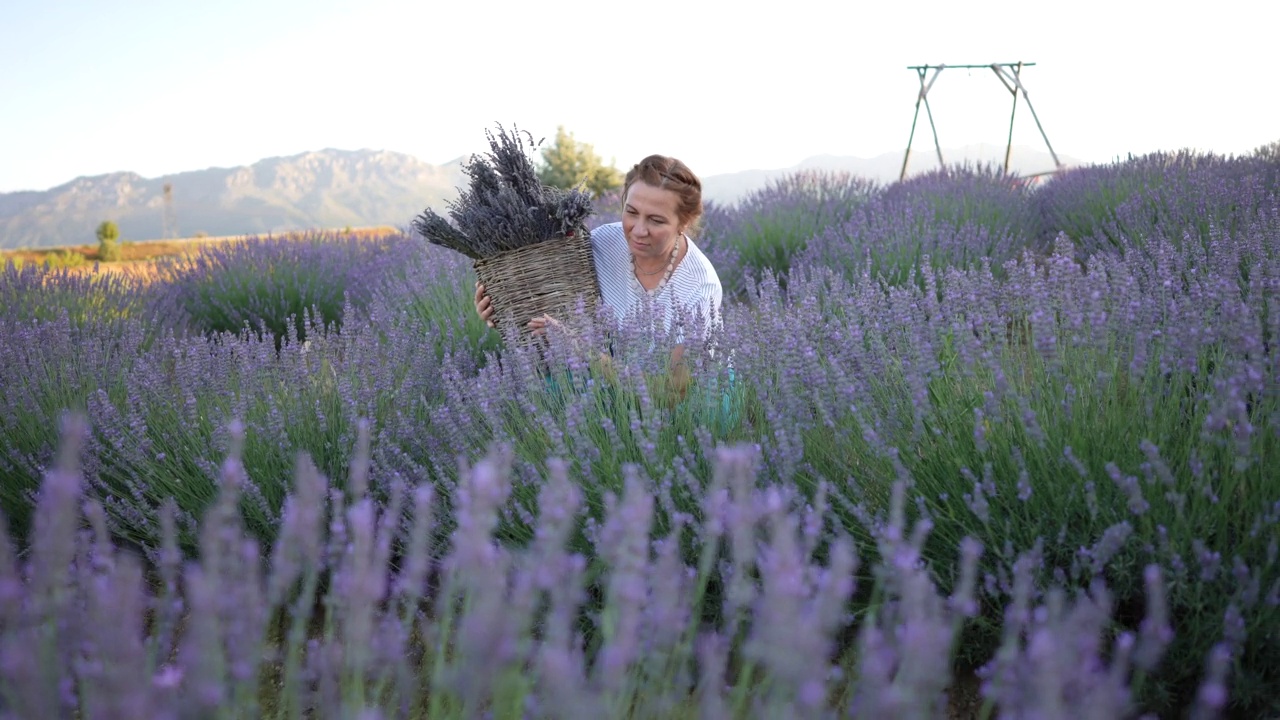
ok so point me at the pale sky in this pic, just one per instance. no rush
(96, 86)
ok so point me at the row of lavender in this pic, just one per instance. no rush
(364, 609)
(1081, 421)
(965, 214)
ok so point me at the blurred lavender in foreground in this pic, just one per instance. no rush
(511, 630)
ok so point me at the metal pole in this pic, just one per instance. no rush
(924, 95)
(929, 113)
(919, 97)
(1012, 82)
(1008, 148)
(934, 128)
(1057, 163)
(961, 67)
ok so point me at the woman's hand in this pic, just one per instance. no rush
(667, 389)
(673, 386)
(540, 324)
(603, 366)
(484, 307)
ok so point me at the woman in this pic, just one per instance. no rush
(646, 262)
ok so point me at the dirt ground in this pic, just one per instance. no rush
(965, 698)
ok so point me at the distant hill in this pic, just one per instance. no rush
(336, 188)
(730, 187)
(322, 189)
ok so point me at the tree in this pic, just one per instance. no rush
(108, 231)
(1270, 151)
(108, 241)
(567, 163)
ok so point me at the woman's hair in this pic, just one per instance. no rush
(669, 173)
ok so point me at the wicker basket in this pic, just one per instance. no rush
(540, 279)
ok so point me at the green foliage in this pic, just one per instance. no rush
(108, 242)
(108, 232)
(315, 421)
(72, 339)
(63, 259)
(109, 251)
(568, 163)
(444, 306)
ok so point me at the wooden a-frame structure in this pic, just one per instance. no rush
(1010, 76)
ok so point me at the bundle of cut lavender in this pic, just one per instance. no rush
(506, 206)
(529, 242)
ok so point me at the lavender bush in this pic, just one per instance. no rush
(954, 217)
(158, 398)
(161, 436)
(961, 194)
(63, 335)
(1090, 373)
(272, 285)
(606, 209)
(45, 369)
(431, 292)
(1175, 196)
(772, 225)
(32, 292)
(1098, 414)
(1100, 423)
(467, 627)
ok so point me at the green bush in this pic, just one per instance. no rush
(108, 251)
(64, 259)
(108, 242)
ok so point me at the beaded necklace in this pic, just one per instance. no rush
(671, 265)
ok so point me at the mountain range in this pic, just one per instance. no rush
(887, 167)
(339, 188)
(322, 189)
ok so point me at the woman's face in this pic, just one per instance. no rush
(650, 221)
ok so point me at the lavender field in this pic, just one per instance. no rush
(963, 448)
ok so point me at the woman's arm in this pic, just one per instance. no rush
(668, 388)
(707, 306)
(678, 376)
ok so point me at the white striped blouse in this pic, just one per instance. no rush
(694, 284)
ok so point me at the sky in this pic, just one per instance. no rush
(90, 87)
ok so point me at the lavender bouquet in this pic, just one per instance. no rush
(506, 207)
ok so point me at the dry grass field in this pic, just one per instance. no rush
(137, 258)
